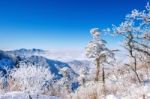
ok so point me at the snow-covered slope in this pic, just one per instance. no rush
(55, 60)
(53, 65)
(6, 59)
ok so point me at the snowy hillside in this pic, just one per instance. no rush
(57, 63)
(6, 59)
(22, 95)
(55, 59)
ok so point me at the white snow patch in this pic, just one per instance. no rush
(112, 97)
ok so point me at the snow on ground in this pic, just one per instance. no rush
(23, 95)
(112, 97)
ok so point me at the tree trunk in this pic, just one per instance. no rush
(30, 97)
(103, 79)
(131, 50)
(144, 96)
(103, 75)
(97, 70)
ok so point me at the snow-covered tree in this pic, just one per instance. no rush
(62, 86)
(83, 76)
(30, 78)
(97, 51)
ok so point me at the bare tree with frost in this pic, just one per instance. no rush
(136, 33)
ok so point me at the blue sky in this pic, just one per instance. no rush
(59, 24)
